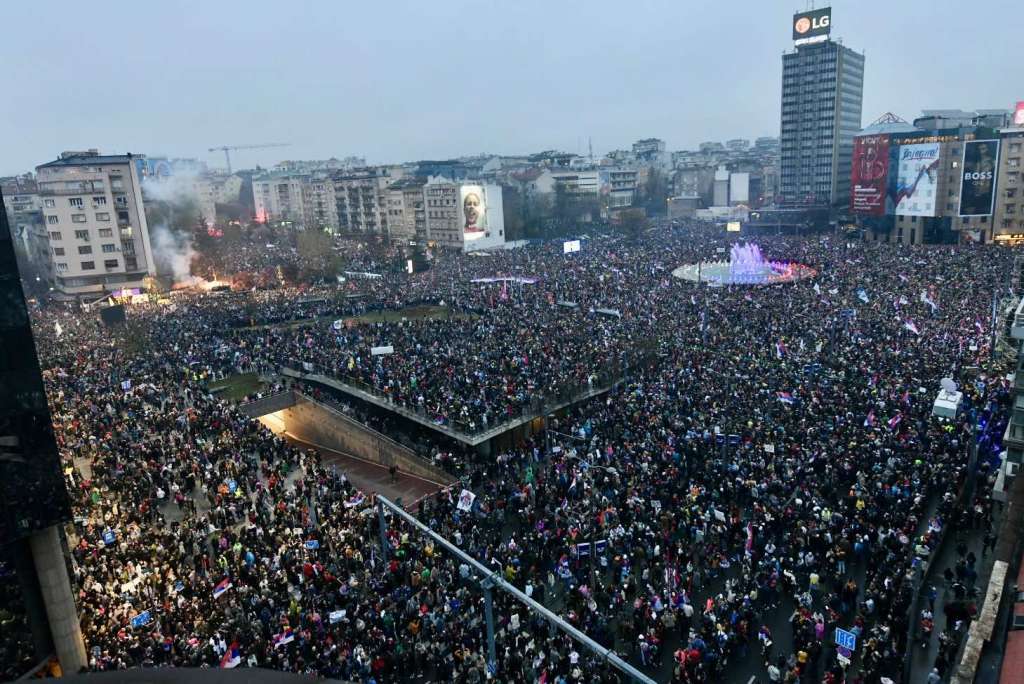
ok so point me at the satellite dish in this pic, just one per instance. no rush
(948, 385)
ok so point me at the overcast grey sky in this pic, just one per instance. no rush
(414, 79)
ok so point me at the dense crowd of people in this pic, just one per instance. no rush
(769, 454)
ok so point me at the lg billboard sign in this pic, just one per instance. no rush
(815, 24)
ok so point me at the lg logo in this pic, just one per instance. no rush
(977, 175)
(805, 24)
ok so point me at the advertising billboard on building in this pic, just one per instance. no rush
(868, 174)
(917, 178)
(739, 188)
(481, 217)
(1018, 114)
(978, 182)
(812, 24)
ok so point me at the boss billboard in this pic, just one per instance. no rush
(978, 183)
(917, 179)
(868, 174)
(812, 24)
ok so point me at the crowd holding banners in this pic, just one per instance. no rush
(778, 457)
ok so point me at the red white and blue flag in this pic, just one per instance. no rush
(285, 637)
(786, 397)
(232, 657)
(895, 420)
(870, 420)
(223, 586)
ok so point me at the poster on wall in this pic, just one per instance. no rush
(868, 174)
(481, 216)
(917, 177)
(978, 182)
(473, 201)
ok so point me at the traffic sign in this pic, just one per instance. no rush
(847, 640)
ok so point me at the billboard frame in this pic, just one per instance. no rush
(995, 175)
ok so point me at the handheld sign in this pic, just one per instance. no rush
(142, 619)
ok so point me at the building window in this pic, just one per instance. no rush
(102, 215)
(52, 219)
(106, 232)
(109, 249)
(58, 251)
(110, 263)
(61, 266)
(82, 235)
(78, 218)
(1011, 208)
(88, 265)
(49, 203)
(99, 201)
(55, 235)
(85, 249)
(75, 202)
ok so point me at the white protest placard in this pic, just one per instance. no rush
(466, 499)
(381, 351)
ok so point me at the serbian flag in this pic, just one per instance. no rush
(786, 397)
(909, 325)
(925, 298)
(749, 546)
(285, 637)
(869, 422)
(355, 500)
(232, 657)
(223, 586)
(895, 420)
(780, 349)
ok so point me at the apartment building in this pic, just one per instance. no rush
(407, 217)
(361, 198)
(318, 203)
(278, 197)
(441, 207)
(1009, 202)
(96, 223)
(25, 217)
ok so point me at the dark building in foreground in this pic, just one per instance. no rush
(822, 94)
(34, 503)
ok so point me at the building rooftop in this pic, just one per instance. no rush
(887, 127)
(90, 158)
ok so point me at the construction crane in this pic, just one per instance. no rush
(226, 149)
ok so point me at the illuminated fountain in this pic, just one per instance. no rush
(746, 266)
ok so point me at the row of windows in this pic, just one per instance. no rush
(62, 266)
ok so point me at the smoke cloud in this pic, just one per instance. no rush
(168, 196)
(172, 252)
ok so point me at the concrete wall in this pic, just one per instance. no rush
(316, 423)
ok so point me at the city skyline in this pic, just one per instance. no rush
(423, 83)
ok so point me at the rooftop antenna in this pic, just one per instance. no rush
(590, 146)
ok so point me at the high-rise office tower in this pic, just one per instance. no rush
(822, 94)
